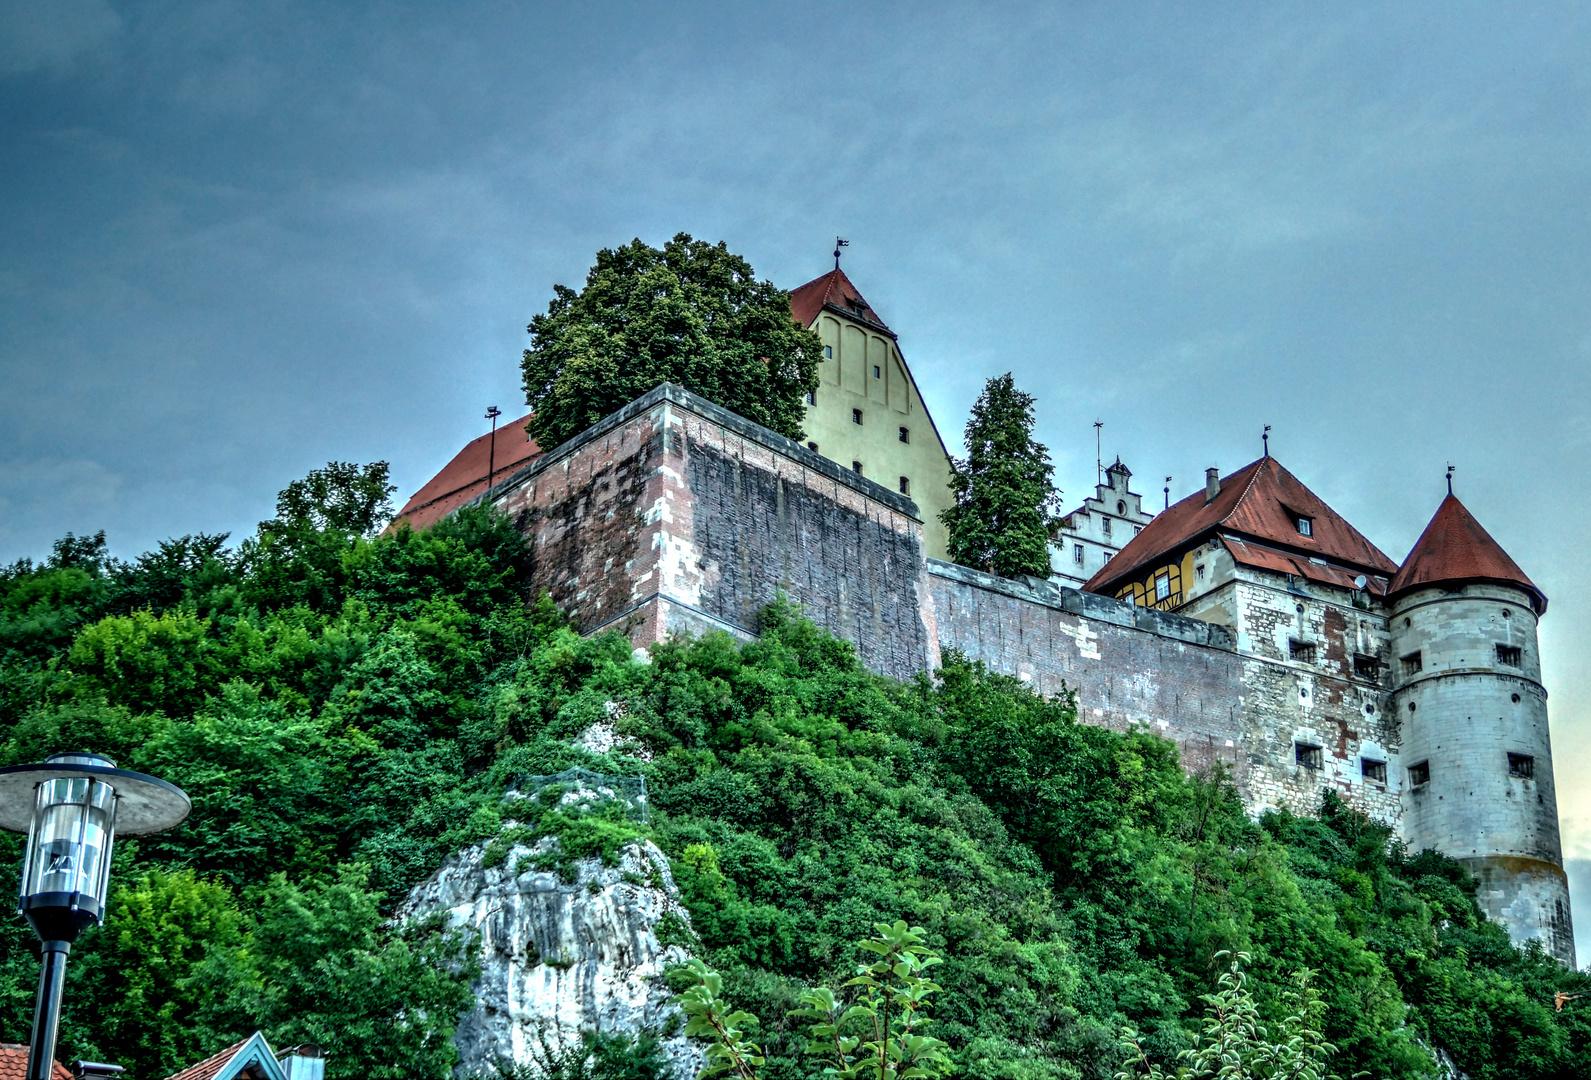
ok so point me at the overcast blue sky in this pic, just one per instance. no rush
(241, 239)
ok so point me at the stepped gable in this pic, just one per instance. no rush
(1260, 501)
(833, 290)
(463, 478)
(1454, 549)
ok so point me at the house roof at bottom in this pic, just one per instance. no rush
(1454, 549)
(463, 478)
(14, 1063)
(250, 1058)
(1261, 501)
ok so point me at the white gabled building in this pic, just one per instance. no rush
(1088, 536)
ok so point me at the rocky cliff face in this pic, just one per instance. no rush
(560, 958)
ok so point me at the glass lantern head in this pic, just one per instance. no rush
(66, 868)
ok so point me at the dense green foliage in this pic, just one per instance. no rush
(692, 313)
(347, 708)
(1005, 499)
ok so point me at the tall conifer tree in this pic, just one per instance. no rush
(1004, 496)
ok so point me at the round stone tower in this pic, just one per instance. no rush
(1476, 753)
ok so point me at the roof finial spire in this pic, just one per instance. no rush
(1265, 436)
(1099, 458)
(839, 242)
(1168, 493)
(1450, 478)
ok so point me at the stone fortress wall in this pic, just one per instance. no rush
(674, 515)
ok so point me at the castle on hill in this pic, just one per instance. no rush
(1249, 622)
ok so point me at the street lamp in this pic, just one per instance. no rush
(72, 806)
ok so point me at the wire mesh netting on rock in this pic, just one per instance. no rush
(580, 791)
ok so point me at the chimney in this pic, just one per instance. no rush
(304, 1062)
(1212, 484)
(96, 1070)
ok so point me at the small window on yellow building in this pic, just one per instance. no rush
(1162, 586)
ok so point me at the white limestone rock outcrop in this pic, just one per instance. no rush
(560, 957)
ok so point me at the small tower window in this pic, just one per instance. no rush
(1077, 554)
(856, 467)
(1509, 655)
(905, 486)
(905, 435)
(856, 416)
(1372, 770)
(828, 352)
(1308, 755)
(1301, 651)
(877, 374)
(1522, 766)
(812, 397)
(1306, 527)
(1412, 665)
(1420, 775)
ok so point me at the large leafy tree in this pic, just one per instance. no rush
(1004, 496)
(691, 313)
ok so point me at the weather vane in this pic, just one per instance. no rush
(1265, 436)
(839, 242)
(1450, 478)
(1099, 455)
(1168, 493)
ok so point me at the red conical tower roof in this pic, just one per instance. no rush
(1454, 550)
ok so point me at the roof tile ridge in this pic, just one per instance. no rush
(1248, 487)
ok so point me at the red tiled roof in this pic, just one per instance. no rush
(463, 478)
(1260, 501)
(210, 1066)
(835, 289)
(14, 1063)
(1280, 562)
(1454, 549)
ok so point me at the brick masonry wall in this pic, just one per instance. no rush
(674, 515)
(1180, 677)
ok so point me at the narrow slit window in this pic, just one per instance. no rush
(812, 397)
(828, 352)
(1420, 775)
(905, 486)
(856, 416)
(1309, 755)
(1509, 655)
(1373, 770)
(856, 467)
(877, 374)
(1412, 664)
(905, 435)
(1522, 766)
(1302, 651)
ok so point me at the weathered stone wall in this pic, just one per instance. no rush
(674, 515)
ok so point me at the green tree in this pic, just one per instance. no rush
(324, 966)
(1005, 500)
(692, 313)
(342, 497)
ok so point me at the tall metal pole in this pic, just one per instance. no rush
(47, 1009)
(492, 413)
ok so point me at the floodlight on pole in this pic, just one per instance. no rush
(492, 413)
(72, 806)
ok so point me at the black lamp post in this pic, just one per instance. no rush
(72, 806)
